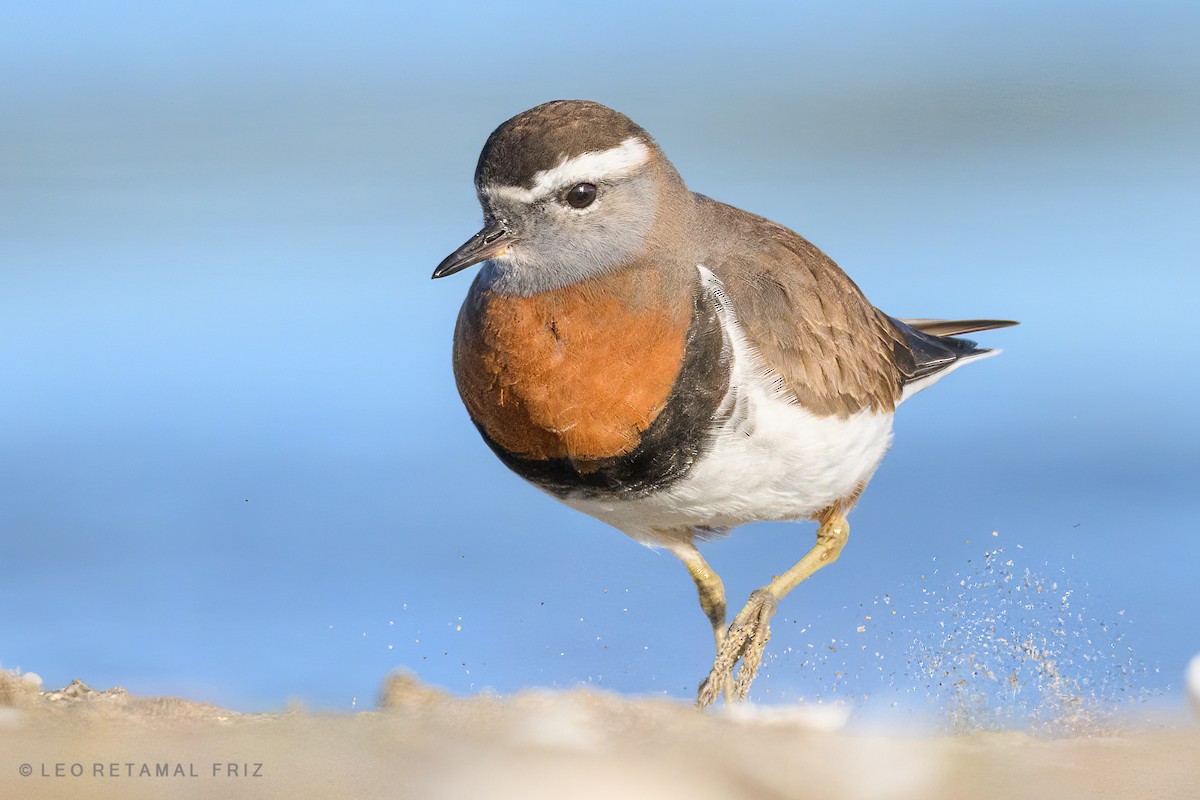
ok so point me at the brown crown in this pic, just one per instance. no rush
(542, 137)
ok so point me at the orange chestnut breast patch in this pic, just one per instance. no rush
(571, 373)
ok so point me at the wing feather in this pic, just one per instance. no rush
(834, 352)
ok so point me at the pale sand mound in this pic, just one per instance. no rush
(562, 744)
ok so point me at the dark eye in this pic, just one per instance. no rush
(581, 195)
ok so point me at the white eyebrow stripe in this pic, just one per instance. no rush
(585, 167)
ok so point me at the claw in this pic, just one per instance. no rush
(745, 642)
(748, 635)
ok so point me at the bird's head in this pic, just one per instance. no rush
(569, 189)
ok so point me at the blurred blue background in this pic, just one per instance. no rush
(233, 464)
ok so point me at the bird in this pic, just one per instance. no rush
(672, 365)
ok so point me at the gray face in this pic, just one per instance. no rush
(552, 243)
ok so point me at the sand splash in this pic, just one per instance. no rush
(992, 644)
(1017, 648)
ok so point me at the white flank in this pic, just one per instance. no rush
(771, 460)
(584, 168)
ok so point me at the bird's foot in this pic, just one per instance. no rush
(745, 641)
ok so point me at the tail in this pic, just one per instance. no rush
(930, 349)
(954, 327)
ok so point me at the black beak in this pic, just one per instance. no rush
(488, 243)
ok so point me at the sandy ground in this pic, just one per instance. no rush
(423, 743)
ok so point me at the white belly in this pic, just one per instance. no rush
(779, 463)
(770, 460)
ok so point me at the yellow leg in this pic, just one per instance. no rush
(831, 538)
(751, 628)
(708, 586)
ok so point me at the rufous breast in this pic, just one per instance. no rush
(578, 372)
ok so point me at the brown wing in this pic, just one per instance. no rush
(832, 349)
